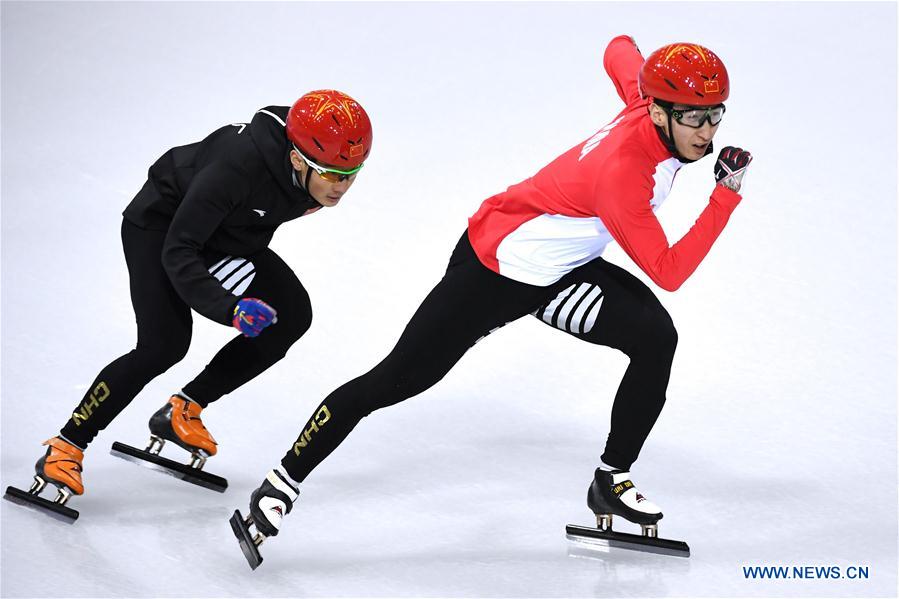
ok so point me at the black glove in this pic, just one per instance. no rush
(731, 166)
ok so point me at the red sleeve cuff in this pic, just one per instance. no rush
(726, 197)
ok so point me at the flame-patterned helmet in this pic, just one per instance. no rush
(685, 74)
(330, 128)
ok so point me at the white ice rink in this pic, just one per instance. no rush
(777, 446)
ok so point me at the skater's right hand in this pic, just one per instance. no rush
(251, 315)
(731, 166)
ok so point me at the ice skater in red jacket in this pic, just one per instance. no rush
(535, 249)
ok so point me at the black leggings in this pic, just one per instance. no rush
(164, 331)
(598, 302)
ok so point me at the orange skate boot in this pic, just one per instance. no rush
(61, 467)
(177, 421)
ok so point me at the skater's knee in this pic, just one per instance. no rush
(655, 330)
(384, 386)
(392, 381)
(294, 320)
(161, 354)
(665, 331)
(299, 323)
(400, 386)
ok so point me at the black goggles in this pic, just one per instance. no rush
(695, 117)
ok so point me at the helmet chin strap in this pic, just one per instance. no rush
(305, 185)
(306, 182)
(669, 140)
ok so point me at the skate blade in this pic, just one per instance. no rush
(623, 540)
(249, 548)
(170, 467)
(52, 509)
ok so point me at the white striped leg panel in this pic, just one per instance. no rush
(574, 310)
(235, 274)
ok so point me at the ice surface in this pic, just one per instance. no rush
(778, 443)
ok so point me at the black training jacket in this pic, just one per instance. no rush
(225, 195)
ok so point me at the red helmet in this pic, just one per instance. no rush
(685, 74)
(330, 128)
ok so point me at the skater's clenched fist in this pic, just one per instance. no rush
(731, 166)
(251, 315)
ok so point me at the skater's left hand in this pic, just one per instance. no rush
(251, 315)
(731, 166)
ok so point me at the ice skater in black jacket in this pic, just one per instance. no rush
(196, 237)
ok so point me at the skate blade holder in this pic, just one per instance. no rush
(240, 526)
(604, 538)
(150, 458)
(32, 498)
(197, 457)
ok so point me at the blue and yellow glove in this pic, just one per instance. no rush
(251, 315)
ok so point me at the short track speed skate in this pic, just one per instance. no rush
(177, 421)
(613, 493)
(60, 466)
(249, 543)
(268, 505)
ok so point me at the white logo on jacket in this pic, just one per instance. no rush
(261, 213)
(598, 137)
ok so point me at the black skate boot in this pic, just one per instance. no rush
(268, 505)
(613, 493)
(177, 421)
